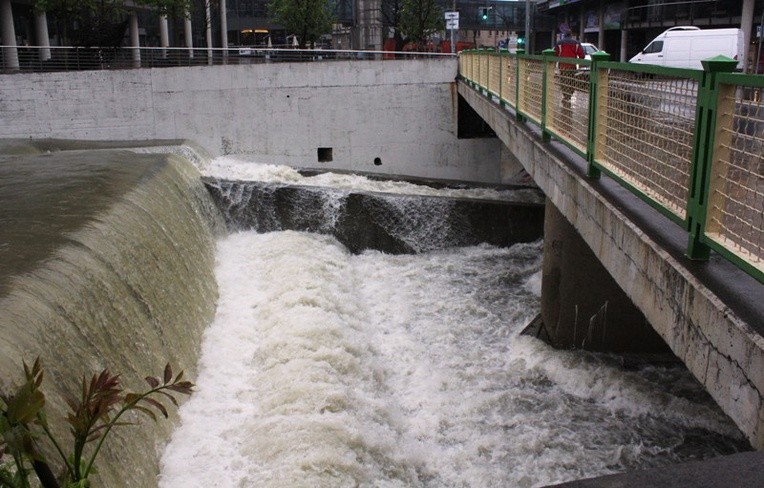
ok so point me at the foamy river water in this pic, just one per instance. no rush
(328, 369)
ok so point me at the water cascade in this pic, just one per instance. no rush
(322, 364)
(329, 368)
(106, 261)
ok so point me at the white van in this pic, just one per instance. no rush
(685, 47)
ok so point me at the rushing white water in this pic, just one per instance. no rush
(327, 369)
(230, 167)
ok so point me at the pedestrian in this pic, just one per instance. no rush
(567, 47)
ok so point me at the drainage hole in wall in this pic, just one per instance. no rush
(377, 162)
(324, 154)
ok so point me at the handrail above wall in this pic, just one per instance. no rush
(688, 142)
(71, 58)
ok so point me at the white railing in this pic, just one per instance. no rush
(15, 59)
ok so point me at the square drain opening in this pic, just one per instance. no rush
(324, 154)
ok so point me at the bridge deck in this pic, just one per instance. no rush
(711, 313)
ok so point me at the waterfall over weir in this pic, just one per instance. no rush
(106, 260)
(317, 366)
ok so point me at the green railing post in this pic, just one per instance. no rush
(545, 84)
(591, 136)
(703, 154)
(518, 116)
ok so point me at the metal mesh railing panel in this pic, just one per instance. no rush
(485, 59)
(567, 111)
(531, 88)
(648, 128)
(494, 74)
(479, 62)
(735, 216)
(469, 62)
(509, 85)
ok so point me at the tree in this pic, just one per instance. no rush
(420, 19)
(308, 19)
(390, 16)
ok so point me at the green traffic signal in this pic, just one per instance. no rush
(484, 13)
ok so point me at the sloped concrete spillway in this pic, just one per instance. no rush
(106, 261)
(392, 223)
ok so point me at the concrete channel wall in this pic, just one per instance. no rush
(720, 348)
(391, 117)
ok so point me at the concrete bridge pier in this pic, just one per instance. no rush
(581, 304)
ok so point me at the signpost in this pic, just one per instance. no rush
(452, 24)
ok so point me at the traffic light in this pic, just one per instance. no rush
(521, 40)
(484, 13)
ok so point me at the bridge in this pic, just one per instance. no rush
(659, 173)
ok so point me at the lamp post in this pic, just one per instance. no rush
(528, 26)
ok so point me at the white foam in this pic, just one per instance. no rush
(324, 369)
(233, 168)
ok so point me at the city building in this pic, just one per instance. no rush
(622, 28)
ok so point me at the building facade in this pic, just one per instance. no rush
(622, 28)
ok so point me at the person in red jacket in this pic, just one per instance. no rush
(567, 47)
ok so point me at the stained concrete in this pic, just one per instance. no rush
(711, 315)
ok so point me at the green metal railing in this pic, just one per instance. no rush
(688, 142)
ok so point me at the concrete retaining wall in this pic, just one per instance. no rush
(392, 117)
(720, 348)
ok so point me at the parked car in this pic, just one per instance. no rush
(686, 46)
(589, 49)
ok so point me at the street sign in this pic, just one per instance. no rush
(451, 15)
(452, 24)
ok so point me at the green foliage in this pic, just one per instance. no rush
(308, 19)
(420, 19)
(169, 7)
(98, 409)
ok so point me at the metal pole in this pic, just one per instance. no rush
(453, 47)
(528, 46)
(758, 49)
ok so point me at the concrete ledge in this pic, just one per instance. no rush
(391, 223)
(190, 150)
(722, 349)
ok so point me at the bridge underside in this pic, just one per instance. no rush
(716, 341)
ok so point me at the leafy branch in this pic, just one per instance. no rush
(92, 416)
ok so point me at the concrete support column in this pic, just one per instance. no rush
(601, 25)
(164, 35)
(624, 36)
(41, 35)
(746, 24)
(223, 26)
(208, 30)
(581, 305)
(135, 41)
(188, 35)
(8, 36)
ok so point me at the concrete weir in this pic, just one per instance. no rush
(392, 223)
(92, 277)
